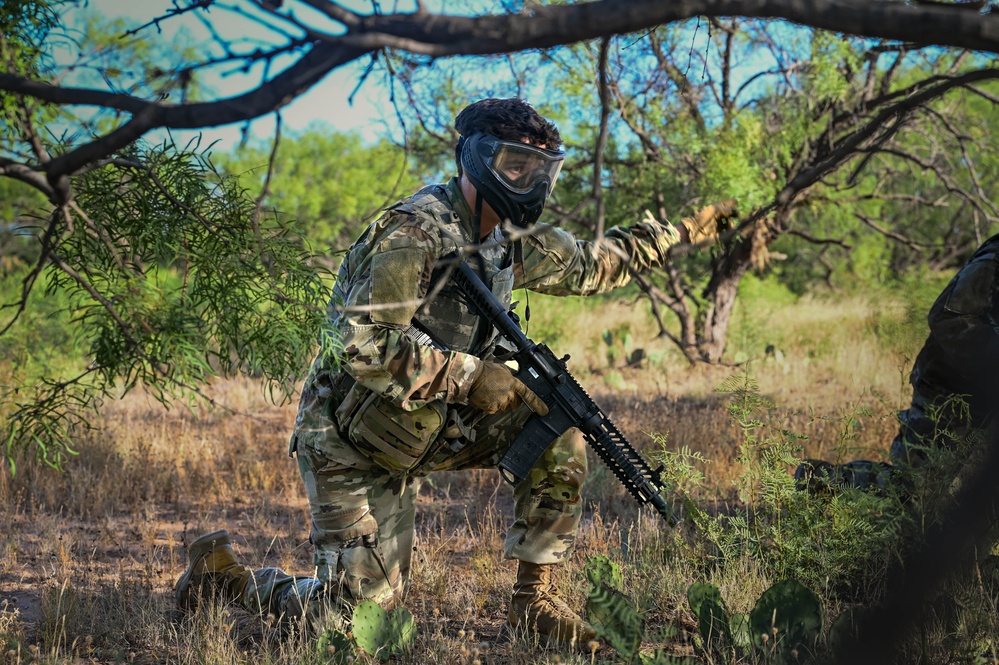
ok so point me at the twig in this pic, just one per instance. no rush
(897, 237)
(819, 241)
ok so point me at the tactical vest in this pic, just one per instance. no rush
(447, 315)
(411, 441)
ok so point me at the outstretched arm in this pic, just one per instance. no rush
(557, 263)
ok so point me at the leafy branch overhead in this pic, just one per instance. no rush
(171, 277)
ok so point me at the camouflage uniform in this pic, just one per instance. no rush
(393, 410)
(960, 358)
(954, 377)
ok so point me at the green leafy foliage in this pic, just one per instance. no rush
(329, 183)
(837, 544)
(743, 112)
(612, 614)
(25, 24)
(615, 617)
(380, 633)
(149, 68)
(820, 540)
(169, 276)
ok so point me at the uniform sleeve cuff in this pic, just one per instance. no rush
(462, 373)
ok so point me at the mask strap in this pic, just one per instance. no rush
(477, 228)
(477, 219)
(518, 257)
(457, 153)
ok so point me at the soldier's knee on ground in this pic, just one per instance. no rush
(348, 558)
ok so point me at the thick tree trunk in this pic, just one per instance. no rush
(688, 322)
(727, 271)
(720, 295)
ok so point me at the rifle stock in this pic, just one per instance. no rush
(568, 404)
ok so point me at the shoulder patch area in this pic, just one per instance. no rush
(974, 288)
(398, 267)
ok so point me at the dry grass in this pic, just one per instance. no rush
(90, 555)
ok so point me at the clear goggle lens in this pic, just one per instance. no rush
(520, 167)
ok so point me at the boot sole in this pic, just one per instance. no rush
(196, 552)
(510, 633)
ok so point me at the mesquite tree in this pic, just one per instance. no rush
(824, 140)
(822, 137)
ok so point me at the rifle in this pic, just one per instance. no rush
(568, 406)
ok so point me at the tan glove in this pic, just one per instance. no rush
(495, 389)
(708, 222)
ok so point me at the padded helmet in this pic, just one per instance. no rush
(514, 178)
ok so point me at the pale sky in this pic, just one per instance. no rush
(371, 113)
(326, 101)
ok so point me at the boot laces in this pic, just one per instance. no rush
(548, 601)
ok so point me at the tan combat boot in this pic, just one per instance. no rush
(212, 571)
(537, 607)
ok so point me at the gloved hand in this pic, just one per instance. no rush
(708, 222)
(495, 389)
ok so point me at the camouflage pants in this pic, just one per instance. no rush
(363, 516)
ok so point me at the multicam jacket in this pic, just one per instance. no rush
(391, 279)
(961, 354)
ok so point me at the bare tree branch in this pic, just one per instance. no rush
(947, 181)
(336, 12)
(849, 146)
(27, 175)
(983, 94)
(819, 241)
(601, 147)
(684, 88)
(440, 35)
(897, 237)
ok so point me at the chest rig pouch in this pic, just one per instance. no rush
(452, 320)
(393, 438)
(447, 315)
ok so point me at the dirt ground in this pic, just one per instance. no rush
(90, 555)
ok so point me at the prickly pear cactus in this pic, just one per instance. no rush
(612, 614)
(333, 646)
(706, 602)
(741, 634)
(714, 624)
(380, 633)
(701, 591)
(786, 622)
